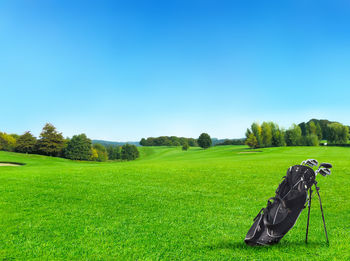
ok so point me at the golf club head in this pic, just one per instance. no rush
(310, 162)
(326, 165)
(324, 171)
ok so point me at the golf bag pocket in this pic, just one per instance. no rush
(270, 225)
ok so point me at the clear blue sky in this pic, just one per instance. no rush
(122, 70)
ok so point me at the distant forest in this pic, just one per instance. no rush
(311, 133)
(79, 147)
(168, 141)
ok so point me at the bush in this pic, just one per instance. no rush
(185, 146)
(129, 152)
(78, 148)
(204, 140)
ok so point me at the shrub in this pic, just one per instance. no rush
(129, 152)
(185, 146)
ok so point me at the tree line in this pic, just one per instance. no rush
(231, 142)
(269, 134)
(168, 141)
(52, 143)
(204, 141)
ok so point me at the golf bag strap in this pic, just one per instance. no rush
(277, 198)
(261, 210)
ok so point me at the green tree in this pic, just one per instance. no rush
(266, 134)
(251, 141)
(78, 148)
(293, 136)
(113, 152)
(143, 142)
(256, 130)
(277, 135)
(185, 146)
(311, 128)
(101, 152)
(318, 131)
(129, 152)
(7, 142)
(50, 142)
(338, 133)
(303, 128)
(192, 142)
(204, 141)
(311, 140)
(26, 143)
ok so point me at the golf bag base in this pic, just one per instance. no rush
(282, 210)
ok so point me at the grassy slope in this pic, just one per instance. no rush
(169, 204)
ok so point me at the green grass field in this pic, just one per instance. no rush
(169, 204)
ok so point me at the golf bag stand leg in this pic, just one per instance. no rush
(324, 222)
(308, 215)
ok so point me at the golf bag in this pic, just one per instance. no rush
(282, 210)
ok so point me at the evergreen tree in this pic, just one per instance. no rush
(50, 142)
(26, 143)
(78, 148)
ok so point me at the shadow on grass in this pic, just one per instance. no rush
(234, 245)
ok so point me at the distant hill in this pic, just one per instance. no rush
(115, 143)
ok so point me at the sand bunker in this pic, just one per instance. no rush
(10, 164)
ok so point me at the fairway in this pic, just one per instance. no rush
(168, 204)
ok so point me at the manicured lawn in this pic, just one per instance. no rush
(169, 204)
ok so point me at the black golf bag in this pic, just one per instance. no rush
(282, 210)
